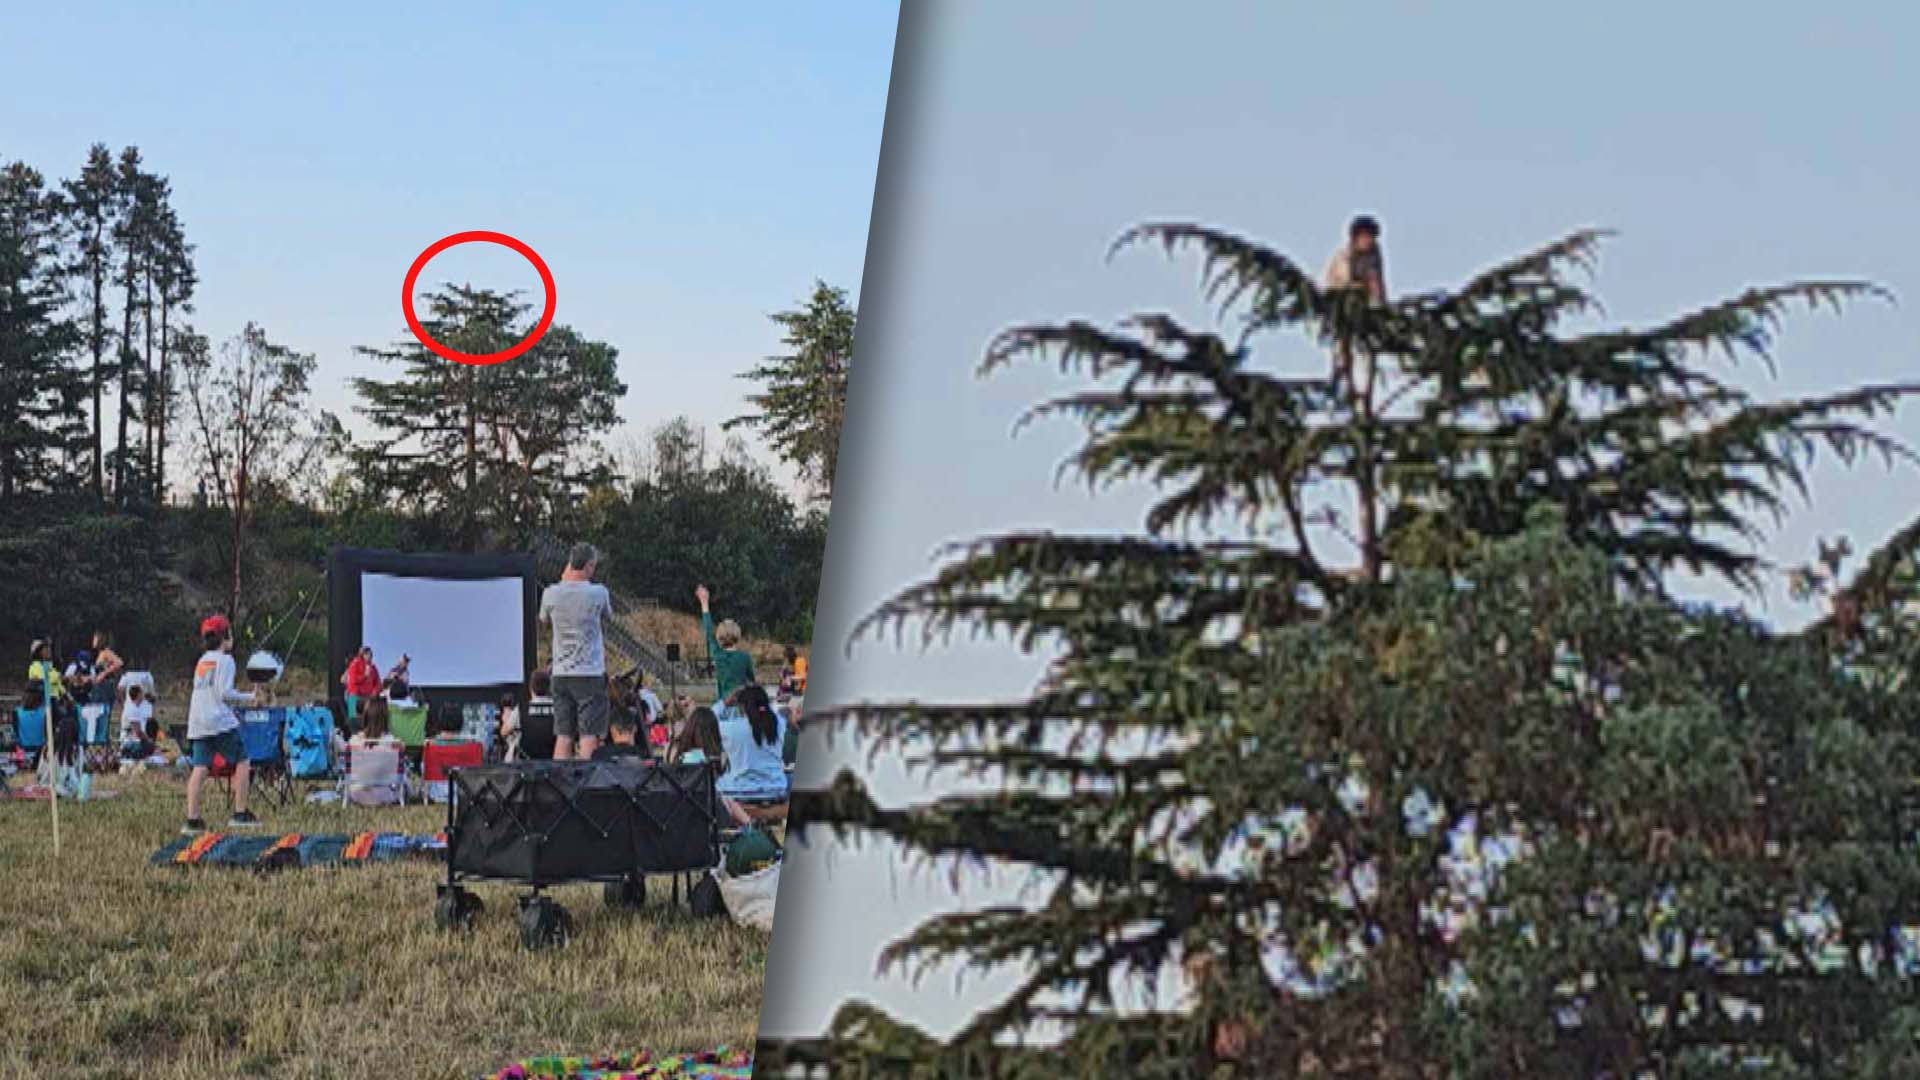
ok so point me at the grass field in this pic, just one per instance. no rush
(112, 968)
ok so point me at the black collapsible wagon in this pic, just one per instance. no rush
(546, 823)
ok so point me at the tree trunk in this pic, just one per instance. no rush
(99, 342)
(166, 401)
(126, 397)
(146, 326)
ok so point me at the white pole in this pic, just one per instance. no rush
(50, 743)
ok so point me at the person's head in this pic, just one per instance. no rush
(727, 633)
(701, 732)
(509, 700)
(136, 693)
(448, 719)
(40, 650)
(752, 700)
(624, 730)
(101, 640)
(582, 559)
(1363, 233)
(373, 718)
(541, 683)
(366, 653)
(83, 658)
(792, 654)
(216, 633)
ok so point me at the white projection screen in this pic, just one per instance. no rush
(466, 620)
(458, 632)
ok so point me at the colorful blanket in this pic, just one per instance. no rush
(294, 849)
(721, 1064)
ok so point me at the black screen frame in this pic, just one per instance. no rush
(345, 611)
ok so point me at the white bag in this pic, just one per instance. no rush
(750, 899)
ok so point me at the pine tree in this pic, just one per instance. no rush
(1370, 617)
(503, 448)
(91, 205)
(174, 273)
(40, 394)
(804, 403)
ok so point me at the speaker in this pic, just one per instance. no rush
(673, 653)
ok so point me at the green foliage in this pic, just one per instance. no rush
(1440, 589)
(727, 525)
(502, 449)
(41, 426)
(804, 403)
(68, 568)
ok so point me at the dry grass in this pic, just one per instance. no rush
(112, 968)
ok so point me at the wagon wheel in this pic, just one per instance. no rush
(628, 892)
(705, 901)
(544, 924)
(456, 909)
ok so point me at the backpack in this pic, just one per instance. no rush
(310, 742)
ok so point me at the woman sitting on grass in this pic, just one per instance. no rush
(753, 735)
(699, 743)
(374, 775)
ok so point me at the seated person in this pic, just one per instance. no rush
(375, 776)
(139, 731)
(399, 685)
(752, 734)
(446, 726)
(536, 720)
(506, 731)
(699, 743)
(623, 742)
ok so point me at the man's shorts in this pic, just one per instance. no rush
(226, 744)
(580, 706)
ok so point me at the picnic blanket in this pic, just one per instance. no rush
(722, 1064)
(296, 849)
(38, 793)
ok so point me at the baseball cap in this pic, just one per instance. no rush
(214, 624)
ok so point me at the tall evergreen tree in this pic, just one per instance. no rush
(501, 449)
(138, 194)
(40, 393)
(176, 279)
(1271, 730)
(803, 403)
(92, 206)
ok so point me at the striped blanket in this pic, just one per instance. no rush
(295, 849)
(721, 1064)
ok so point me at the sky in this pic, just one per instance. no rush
(1729, 144)
(685, 170)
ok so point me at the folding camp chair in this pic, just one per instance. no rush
(263, 737)
(370, 770)
(408, 723)
(30, 734)
(97, 747)
(436, 758)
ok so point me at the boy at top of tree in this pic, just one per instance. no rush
(213, 727)
(732, 666)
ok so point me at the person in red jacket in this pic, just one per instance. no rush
(361, 680)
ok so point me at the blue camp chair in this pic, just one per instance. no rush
(30, 732)
(99, 754)
(263, 740)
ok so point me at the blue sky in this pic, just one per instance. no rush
(684, 169)
(1730, 144)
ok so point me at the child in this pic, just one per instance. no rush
(732, 666)
(699, 743)
(138, 728)
(536, 720)
(373, 760)
(793, 677)
(625, 742)
(212, 727)
(446, 726)
(506, 735)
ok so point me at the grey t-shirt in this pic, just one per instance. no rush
(575, 609)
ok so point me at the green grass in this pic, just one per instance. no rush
(112, 968)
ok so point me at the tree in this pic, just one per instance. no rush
(804, 402)
(140, 195)
(251, 426)
(1445, 579)
(176, 278)
(40, 393)
(91, 205)
(507, 447)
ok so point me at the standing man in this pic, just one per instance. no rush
(574, 605)
(1360, 263)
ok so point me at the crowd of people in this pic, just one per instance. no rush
(573, 709)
